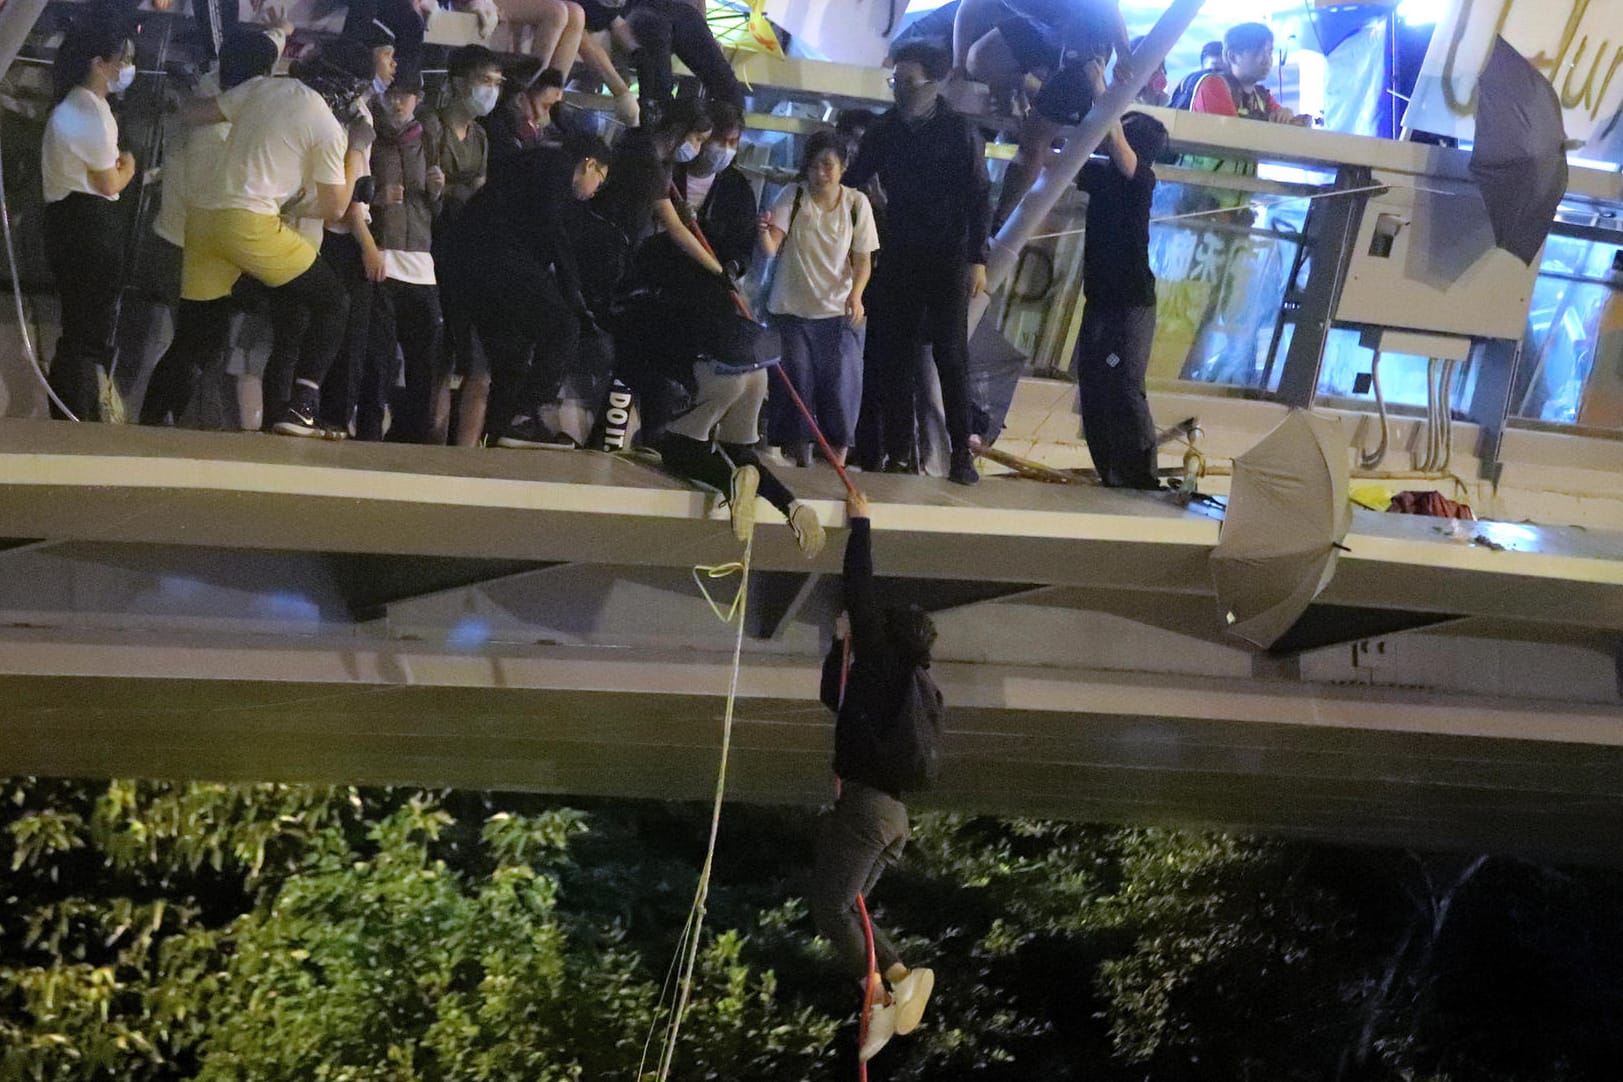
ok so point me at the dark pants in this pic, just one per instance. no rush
(201, 331)
(663, 27)
(82, 246)
(857, 841)
(406, 316)
(341, 389)
(530, 334)
(307, 318)
(1112, 357)
(915, 300)
(712, 464)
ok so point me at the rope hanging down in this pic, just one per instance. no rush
(687, 949)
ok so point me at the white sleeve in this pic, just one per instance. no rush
(864, 234)
(324, 161)
(90, 136)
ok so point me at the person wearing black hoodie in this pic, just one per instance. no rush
(886, 743)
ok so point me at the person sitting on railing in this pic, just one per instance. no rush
(1054, 42)
(286, 150)
(83, 172)
(887, 743)
(652, 31)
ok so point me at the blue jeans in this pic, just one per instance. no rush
(823, 359)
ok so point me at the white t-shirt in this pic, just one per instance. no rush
(282, 137)
(813, 276)
(80, 137)
(413, 268)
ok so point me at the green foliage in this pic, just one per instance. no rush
(156, 932)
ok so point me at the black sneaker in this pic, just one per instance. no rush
(300, 417)
(532, 434)
(902, 465)
(963, 469)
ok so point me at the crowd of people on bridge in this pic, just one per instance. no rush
(438, 266)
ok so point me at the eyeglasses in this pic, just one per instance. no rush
(890, 81)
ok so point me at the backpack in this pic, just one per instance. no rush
(905, 756)
(912, 748)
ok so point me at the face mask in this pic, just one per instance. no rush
(379, 87)
(483, 99)
(126, 76)
(717, 158)
(686, 153)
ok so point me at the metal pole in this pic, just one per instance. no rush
(17, 20)
(1080, 143)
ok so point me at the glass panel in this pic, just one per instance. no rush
(1572, 355)
(1403, 376)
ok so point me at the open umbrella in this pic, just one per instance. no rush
(1287, 514)
(1519, 158)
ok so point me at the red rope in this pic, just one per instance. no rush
(788, 384)
(868, 988)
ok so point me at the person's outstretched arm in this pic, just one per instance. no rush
(861, 606)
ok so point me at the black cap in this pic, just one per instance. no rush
(408, 79)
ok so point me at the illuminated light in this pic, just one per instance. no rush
(1423, 12)
(470, 633)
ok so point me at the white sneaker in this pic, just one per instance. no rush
(808, 530)
(881, 1026)
(741, 501)
(910, 995)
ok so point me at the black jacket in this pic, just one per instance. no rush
(877, 694)
(518, 218)
(937, 195)
(728, 216)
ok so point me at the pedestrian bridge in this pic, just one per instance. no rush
(199, 605)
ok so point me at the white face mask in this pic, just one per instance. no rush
(483, 99)
(717, 158)
(379, 87)
(686, 153)
(121, 83)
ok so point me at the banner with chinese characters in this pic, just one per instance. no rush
(1577, 44)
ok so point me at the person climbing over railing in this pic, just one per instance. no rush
(887, 742)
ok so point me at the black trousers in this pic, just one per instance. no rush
(712, 464)
(406, 316)
(202, 329)
(914, 300)
(82, 245)
(341, 397)
(1112, 357)
(529, 332)
(663, 27)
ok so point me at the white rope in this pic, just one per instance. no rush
(687, 947)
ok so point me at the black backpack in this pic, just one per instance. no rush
(912, 747)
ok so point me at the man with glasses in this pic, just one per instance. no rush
(931, 163)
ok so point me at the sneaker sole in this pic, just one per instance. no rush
(288, 428)
(911, 1013)
(533, 445)
(741, 504)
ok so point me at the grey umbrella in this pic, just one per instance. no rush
(1519, 158)
(1287, 515)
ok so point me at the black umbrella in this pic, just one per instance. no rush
(1520, 156)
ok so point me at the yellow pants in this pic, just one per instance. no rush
(223, 245)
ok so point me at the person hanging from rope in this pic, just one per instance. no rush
(887, 743)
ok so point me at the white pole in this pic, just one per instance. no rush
(1080, 142)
